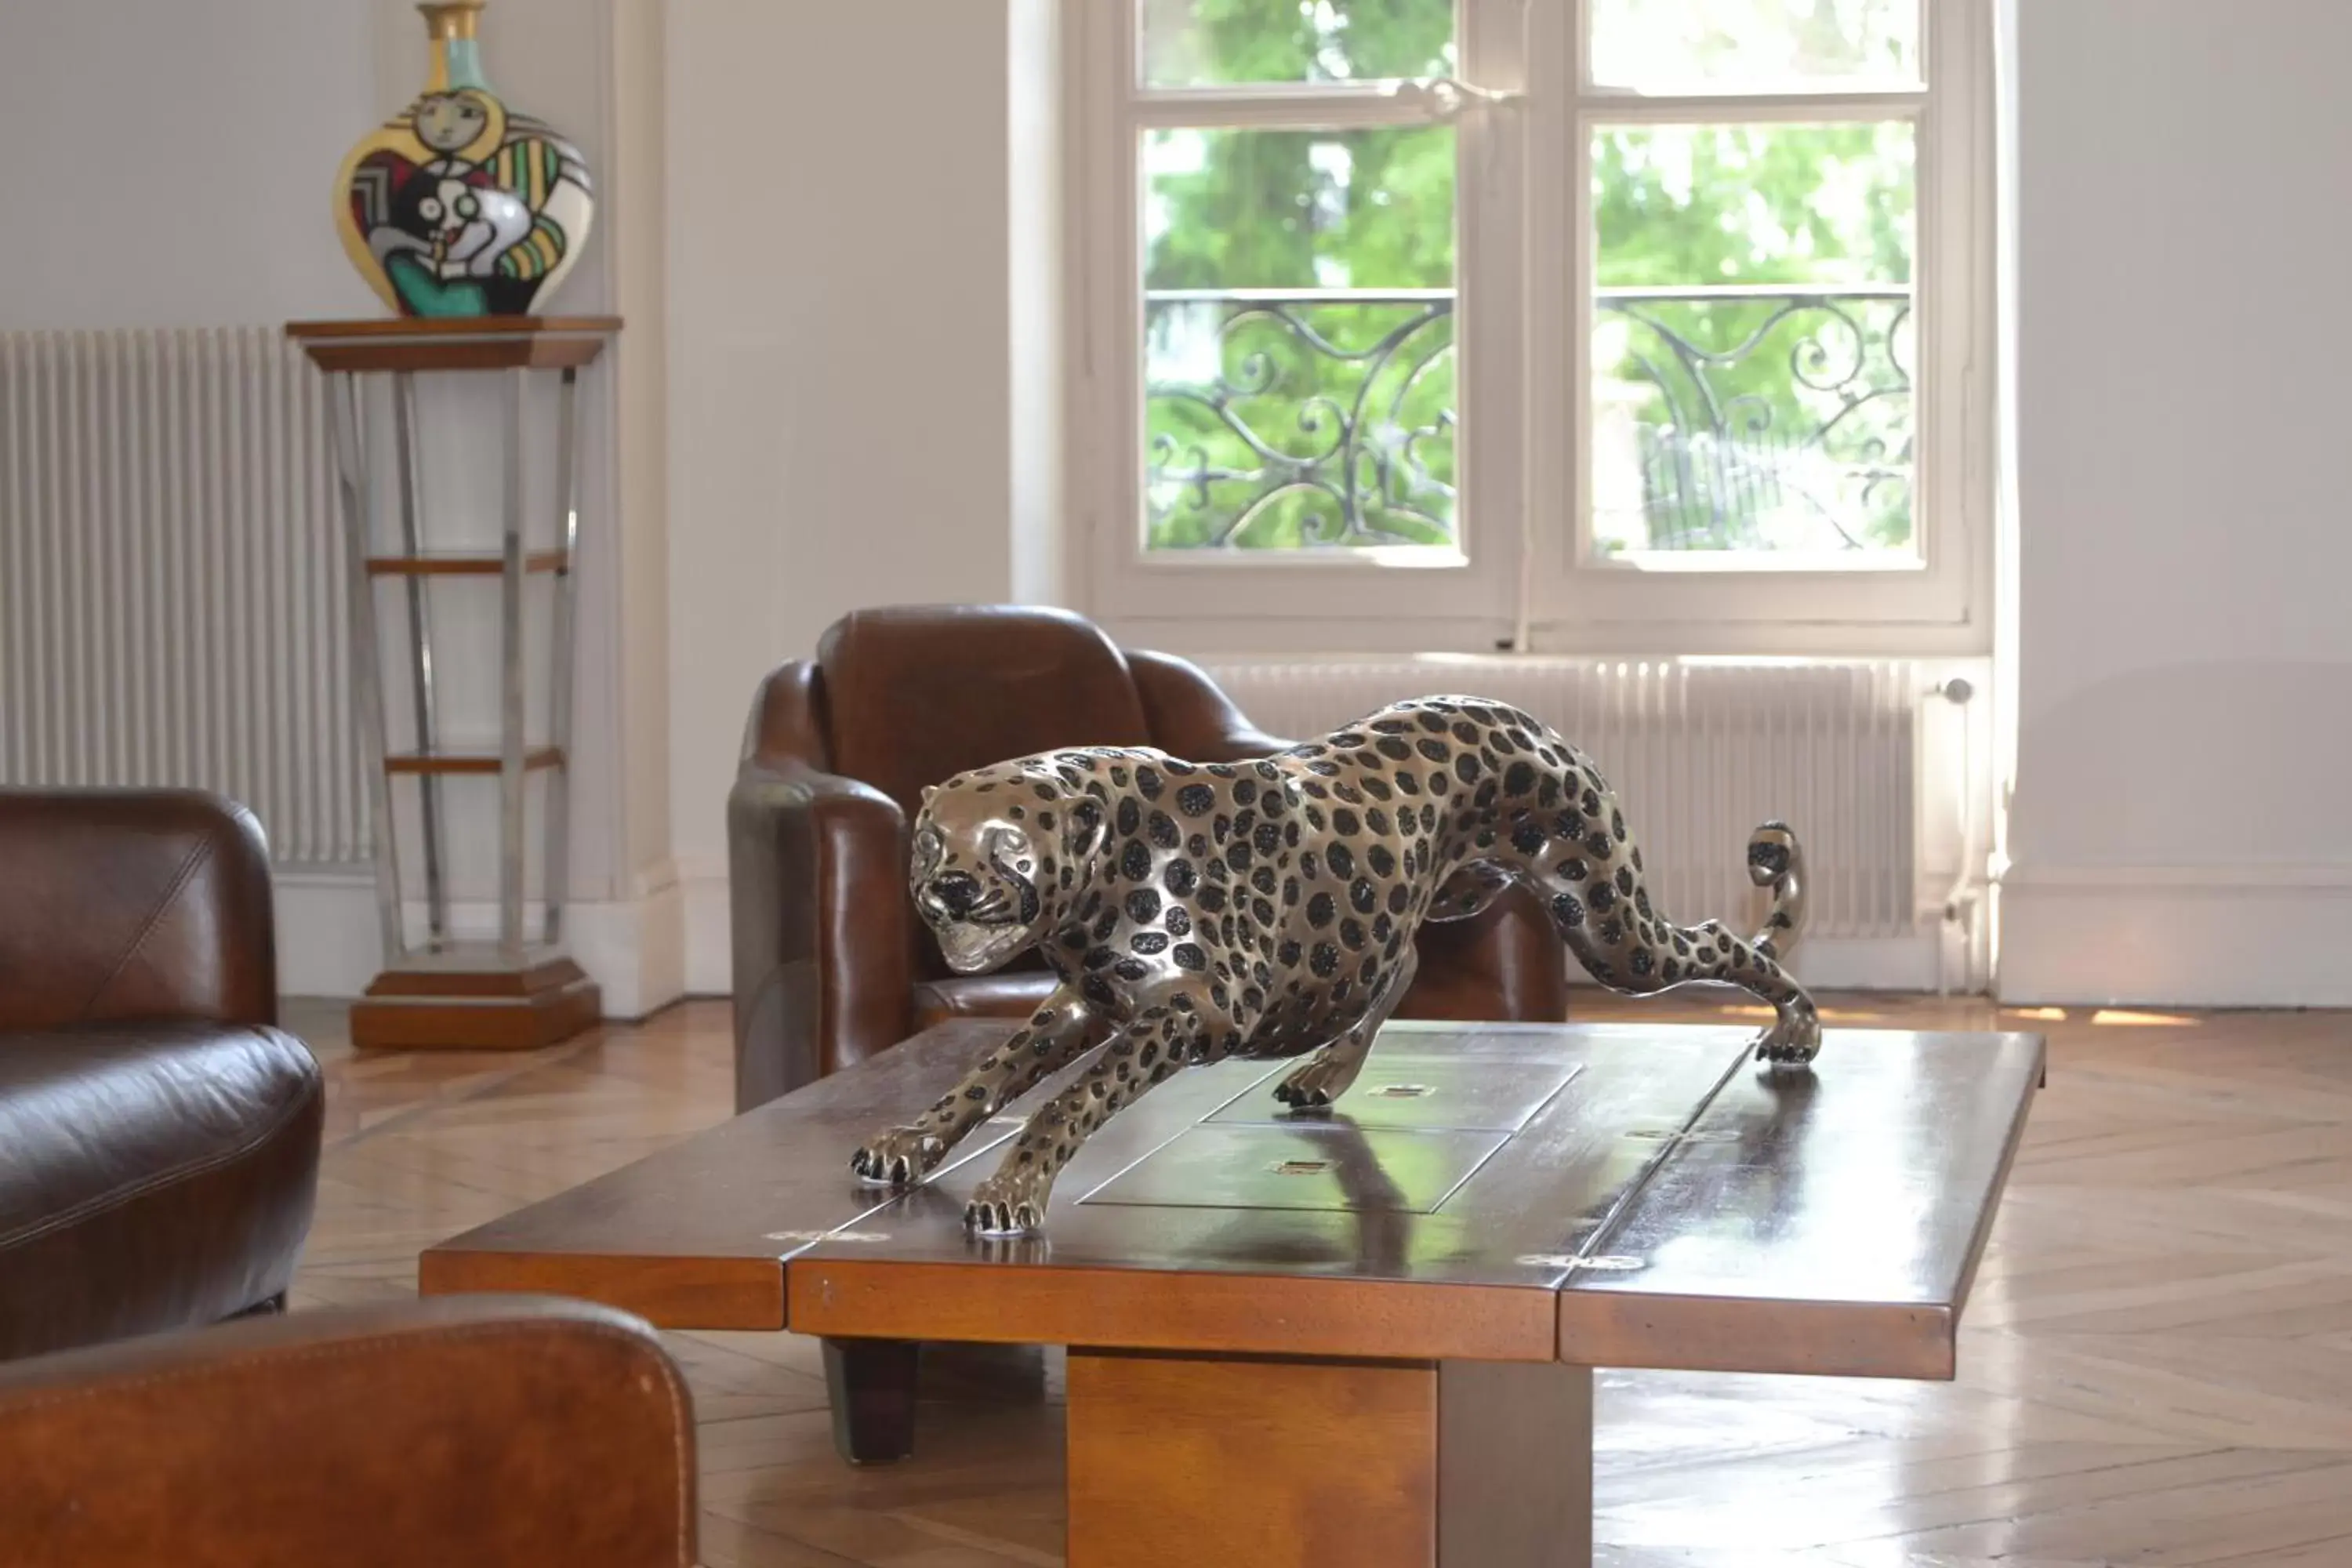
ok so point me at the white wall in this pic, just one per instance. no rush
(171, 165)
(2180, 830)
(1038, 347)
(840, 349)
(636, 219)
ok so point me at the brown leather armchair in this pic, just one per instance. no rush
(159, 1136)
(831, 962)
(519, 1431)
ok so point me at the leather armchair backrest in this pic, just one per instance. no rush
(129, 904)
(519, 1431)
(916, 694)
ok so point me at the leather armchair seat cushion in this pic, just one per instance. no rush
(152, 1176)
(1013, 995)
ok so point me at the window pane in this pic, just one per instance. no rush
(1298, 339)
(1218, 43)
(1752, 342)
(1753, 44)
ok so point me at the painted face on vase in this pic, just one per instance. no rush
(449, 122)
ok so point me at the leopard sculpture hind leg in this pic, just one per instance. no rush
(1561, 831)
(1599, 903)
(1611, 925)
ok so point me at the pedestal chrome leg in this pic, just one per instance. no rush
(511, 664)
(557, 872)
(345, 415)
(420, 642)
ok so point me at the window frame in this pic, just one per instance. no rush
(1521, 586)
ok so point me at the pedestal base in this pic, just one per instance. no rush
(449, 1008)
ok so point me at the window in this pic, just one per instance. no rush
(1626, 325)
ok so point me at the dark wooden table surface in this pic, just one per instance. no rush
(1614, 1194)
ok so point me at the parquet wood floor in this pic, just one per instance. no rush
(2157, 1367)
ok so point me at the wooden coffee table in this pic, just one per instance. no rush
(1363, 1338)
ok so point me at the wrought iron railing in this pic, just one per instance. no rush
(1747, 417)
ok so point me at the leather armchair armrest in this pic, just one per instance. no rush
(1189, 717)
(126, 904)
(484, 1430)
(822, 925)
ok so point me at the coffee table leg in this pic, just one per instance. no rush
(1184, 1459)
(872, 1384)
(1513, 1465)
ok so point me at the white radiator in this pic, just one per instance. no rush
(172, 597)
(1699, 751)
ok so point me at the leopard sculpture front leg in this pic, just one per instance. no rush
(1326, 1074)
(1050, 1040)
(1146, 1052)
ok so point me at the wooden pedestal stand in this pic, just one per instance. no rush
(513, 992)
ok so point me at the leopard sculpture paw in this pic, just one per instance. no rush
(1315, 1083)
(899, 1157)
(1795, 1043)
(1010, 1202)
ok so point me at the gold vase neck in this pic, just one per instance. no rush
(445, 20)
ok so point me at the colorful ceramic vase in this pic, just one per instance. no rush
(461, 206)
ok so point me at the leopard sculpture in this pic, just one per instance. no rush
(1267, 909)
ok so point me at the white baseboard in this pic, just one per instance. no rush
(634, 950)
(709, 961)
(328, 940)
(2177, 936)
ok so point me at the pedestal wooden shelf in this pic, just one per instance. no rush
(519, 990)
(445, 564)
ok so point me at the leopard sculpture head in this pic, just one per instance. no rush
(990, 862)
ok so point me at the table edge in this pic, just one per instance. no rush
(1912, 1340)
(1171, 1310)
(680, 1292)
